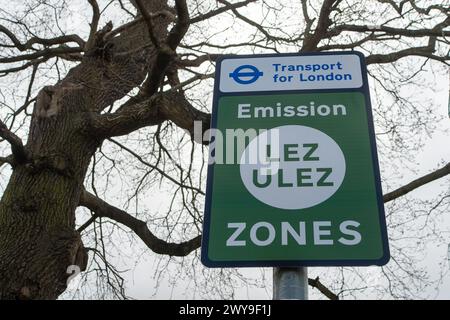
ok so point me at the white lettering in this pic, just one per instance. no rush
(299, 237)
(270, 237)
(318, 233)
(232, 242)
(244, 110)
(345, 230)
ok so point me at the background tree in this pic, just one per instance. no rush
(98, 101)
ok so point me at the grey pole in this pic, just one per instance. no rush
(290, 283)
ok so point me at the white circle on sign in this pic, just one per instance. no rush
(292, 167)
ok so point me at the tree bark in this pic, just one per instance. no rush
(37, 212)
(38, 240)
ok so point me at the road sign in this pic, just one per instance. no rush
(293, 178)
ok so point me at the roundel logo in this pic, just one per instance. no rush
(246, 74)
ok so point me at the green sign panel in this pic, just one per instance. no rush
(293, 178)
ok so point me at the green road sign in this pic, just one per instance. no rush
(293, 177)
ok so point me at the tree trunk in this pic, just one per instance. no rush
(38, 240)
(37, 212)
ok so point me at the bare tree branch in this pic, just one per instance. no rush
(413, 33)
(163, 13)
(351, 45)
(148, 18)
(87, 223)
(9, 159)
(315, 283)
(45, 42)
(417, 183)
(425, 52)
(221, 10)
(171, 16)
(198, 60)
(130, 117)
(166, 48)
(17, 147)
(139, 227)
(152, 111)
(155, 167)
(428, 9)
(312, 40)
(181, 26)
(397, 7)
(94, 24)
(33, 63)
(48, 53)
(258, 26)
(307, 18)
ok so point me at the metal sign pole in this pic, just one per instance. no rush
(290, 283)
